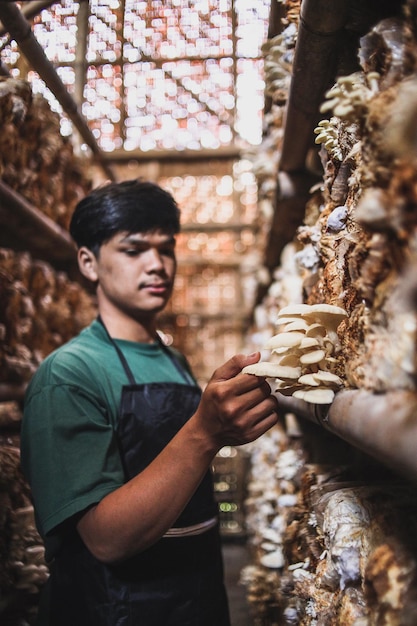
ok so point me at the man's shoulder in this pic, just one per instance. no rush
(75, 348)
(72, 362)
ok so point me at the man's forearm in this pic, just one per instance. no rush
(136, 515)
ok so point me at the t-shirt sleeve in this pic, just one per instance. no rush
(72, 461)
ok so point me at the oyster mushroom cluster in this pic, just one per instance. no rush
(348, 98)
(328, 134)
(279, 52)
(303, 353)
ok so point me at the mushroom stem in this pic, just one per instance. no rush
(381, 425)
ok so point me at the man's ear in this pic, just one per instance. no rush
(87, 263)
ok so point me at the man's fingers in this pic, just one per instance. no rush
(263, 422)
(262, 409)
(234, 366)
(251, 396)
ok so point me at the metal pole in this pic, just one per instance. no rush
(383, 425)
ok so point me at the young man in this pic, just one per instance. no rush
(117, 438)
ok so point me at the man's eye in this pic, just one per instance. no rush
(132, 251)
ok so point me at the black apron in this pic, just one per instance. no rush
(179, 580)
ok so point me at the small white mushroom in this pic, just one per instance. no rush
(324, 376)
(319, 396)
(299, 394)
(288, 340)
(327, 363)
(287, 320)
(272, 370)
(286, 388)
(337, 219)
(308, 342)
(290, 360)
(298, 324)
(328, 314)
(309, 379)
(273, 560)
(294, 310)
(284, 350)
(312, 357)
(268, 546)
(271, 534)
(330, 344)
(316, 330)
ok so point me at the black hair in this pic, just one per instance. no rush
(134, 206)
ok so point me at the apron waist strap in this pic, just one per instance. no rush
(195, 529)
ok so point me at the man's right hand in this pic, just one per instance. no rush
(237, 408)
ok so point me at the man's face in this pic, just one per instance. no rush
(136, 272)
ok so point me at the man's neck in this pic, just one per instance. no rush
(124, 327)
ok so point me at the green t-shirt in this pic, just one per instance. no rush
(69, 451)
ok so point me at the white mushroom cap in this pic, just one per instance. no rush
(309, 379)
(297, 324)
(327, 363)
(327, 377)
(290, 360)
(287, 340)
(308, 342)
(286, 389)
(316, 330)
(319, 395)
(274, 559)
(312, 357)
(287, 320)
(299, 394)
(294, 310)
(281, 351)
(327, 314)
(272, 370)
(330, 344)
(328, 309)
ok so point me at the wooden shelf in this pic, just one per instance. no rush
(24, 228)
(10, 392)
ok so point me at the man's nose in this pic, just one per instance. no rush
(154, 259)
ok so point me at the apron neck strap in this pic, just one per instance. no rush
(120, 354)
(125, 364)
